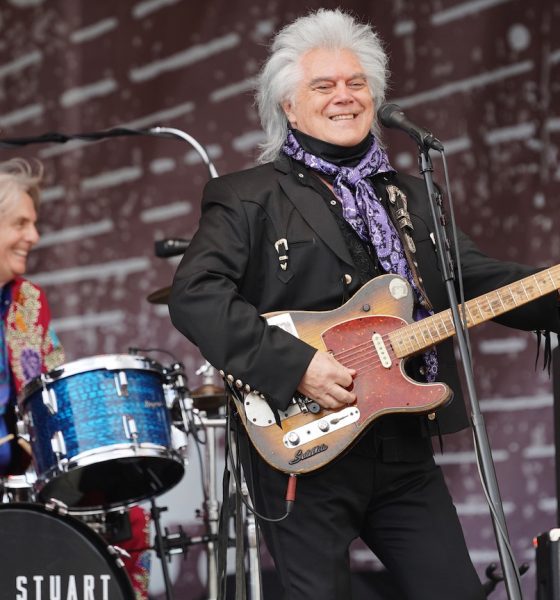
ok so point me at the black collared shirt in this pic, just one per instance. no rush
(362, 253)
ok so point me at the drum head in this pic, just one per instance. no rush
(113, 483)
(100, 433)
(44, 555)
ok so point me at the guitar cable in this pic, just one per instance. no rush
(290, 495)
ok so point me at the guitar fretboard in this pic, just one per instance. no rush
(418, 336)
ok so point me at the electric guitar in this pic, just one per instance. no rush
(373, 333)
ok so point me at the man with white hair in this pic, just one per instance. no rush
(304, 231)
(28, 343)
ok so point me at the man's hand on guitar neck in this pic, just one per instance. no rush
(328, 382)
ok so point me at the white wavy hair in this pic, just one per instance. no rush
(17, 176)
(281, 73)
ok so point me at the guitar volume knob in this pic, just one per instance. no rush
(313, 408)
(293, 438)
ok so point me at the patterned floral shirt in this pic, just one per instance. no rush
(33, 347)
(28, 347)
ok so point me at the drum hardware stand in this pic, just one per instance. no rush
(119, 553)
(211, 504)
(247, 564)
(212, 515)
(255, 581)
(171, 544)
(155, 513)
(178, 542)
(212, 507)
(168, 544)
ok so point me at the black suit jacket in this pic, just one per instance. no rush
(231, 273)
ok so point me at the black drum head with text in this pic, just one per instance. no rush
(44, 556)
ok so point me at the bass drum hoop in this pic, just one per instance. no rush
(85, 535)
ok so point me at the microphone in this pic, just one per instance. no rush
(171, 247)
(392, 116)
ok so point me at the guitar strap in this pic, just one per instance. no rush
(398, 210)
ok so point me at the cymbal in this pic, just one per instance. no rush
(159, 296)
(208, 397)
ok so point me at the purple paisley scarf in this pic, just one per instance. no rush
(367, 216)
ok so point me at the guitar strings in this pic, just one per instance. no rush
(412, 343)
(348, 356)
(416, 341)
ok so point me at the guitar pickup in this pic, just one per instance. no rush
(321, 427)
(381, 349)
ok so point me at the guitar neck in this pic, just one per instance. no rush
(428, 332)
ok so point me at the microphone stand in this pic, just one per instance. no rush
(482, 443)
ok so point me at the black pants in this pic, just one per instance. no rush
(402, 511)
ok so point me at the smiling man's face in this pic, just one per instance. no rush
(18, 234)
(333, 101)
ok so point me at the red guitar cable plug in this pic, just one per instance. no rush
(291, 492)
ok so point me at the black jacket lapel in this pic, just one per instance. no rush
(313, 209)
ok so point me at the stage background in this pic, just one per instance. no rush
(482, 74)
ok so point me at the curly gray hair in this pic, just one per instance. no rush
(281, 73)
(16, 176)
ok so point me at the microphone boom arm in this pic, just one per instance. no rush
(178, 133)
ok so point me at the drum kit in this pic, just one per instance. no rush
(105, 433)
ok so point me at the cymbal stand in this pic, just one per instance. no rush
(160, 543)
(211, 503)
(170, 544)
(212, 514)
(254, 562)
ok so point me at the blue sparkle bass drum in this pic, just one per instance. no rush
(100, 432)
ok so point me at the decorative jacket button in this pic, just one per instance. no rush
(222, 373)
(238, 383)
(247, 388)
(301, 175)
(347, 279)
(230, 378)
